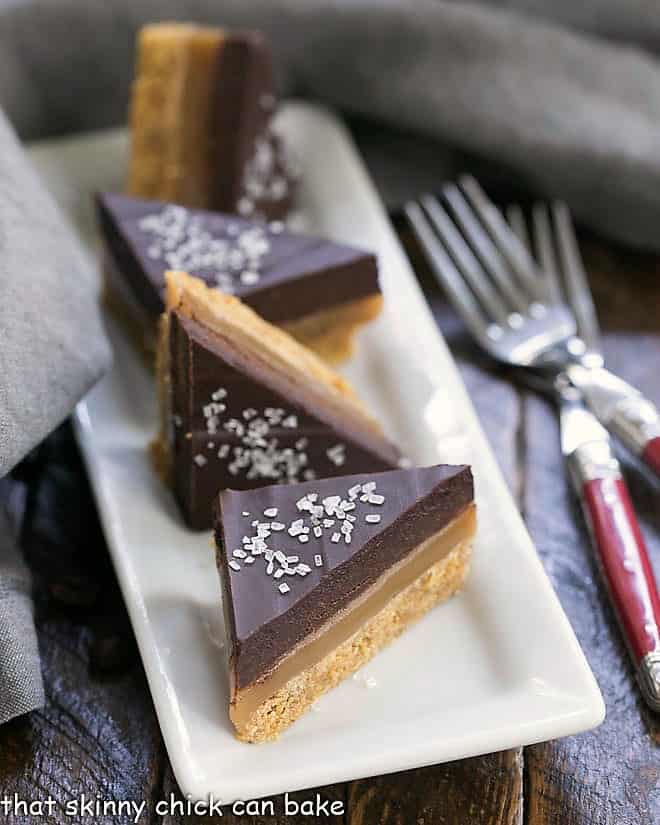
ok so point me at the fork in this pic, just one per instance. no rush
(516, 315)
(514, 309)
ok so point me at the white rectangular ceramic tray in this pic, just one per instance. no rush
(496, 667)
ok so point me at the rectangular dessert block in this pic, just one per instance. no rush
(318, 577)
(200, 118)
(243, 404)
(321, 292)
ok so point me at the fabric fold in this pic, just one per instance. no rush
(21, 684)
(564, 99)
(52, 342)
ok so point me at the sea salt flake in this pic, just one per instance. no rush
(335, 538)
(297, 528)
(372, 518)
(337, 454)
(234, 565)
(284, 588)
(331, 504)
(318, 561)
(200, 460)
(249, 277)
(270, 512)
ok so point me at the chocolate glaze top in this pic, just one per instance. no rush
(240, 423)
(281, 275)
(265, 624)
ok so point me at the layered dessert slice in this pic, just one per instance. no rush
(200, 119)
(319, 291)
(244, 405)
(319, 576)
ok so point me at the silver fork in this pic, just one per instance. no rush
(514, 309)
(517, 315)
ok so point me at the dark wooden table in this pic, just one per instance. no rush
(98, 733)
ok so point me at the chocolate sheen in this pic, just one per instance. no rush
(239, 423)
(252, 176)
(264, 624)
(283, 276)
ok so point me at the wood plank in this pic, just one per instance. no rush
(482, 791)
(610, 776)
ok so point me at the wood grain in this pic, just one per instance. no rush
(483, 791)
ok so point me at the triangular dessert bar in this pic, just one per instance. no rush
(201, 110)
(318, 577)
(244, 405)
(318, 290)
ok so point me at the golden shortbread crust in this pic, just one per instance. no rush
(170, 114)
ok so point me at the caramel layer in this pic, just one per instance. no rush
(247, 701)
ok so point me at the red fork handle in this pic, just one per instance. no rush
(625, 564)
(651, 454)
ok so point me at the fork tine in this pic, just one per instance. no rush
(575, 278)
(443, 268)
(465, 259)
(514, 253)
(545, 251)
(489, 256)
(516, 218)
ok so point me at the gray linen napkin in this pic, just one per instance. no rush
(52, 349)
(570, 114)
(21, 686)
(52, 345)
